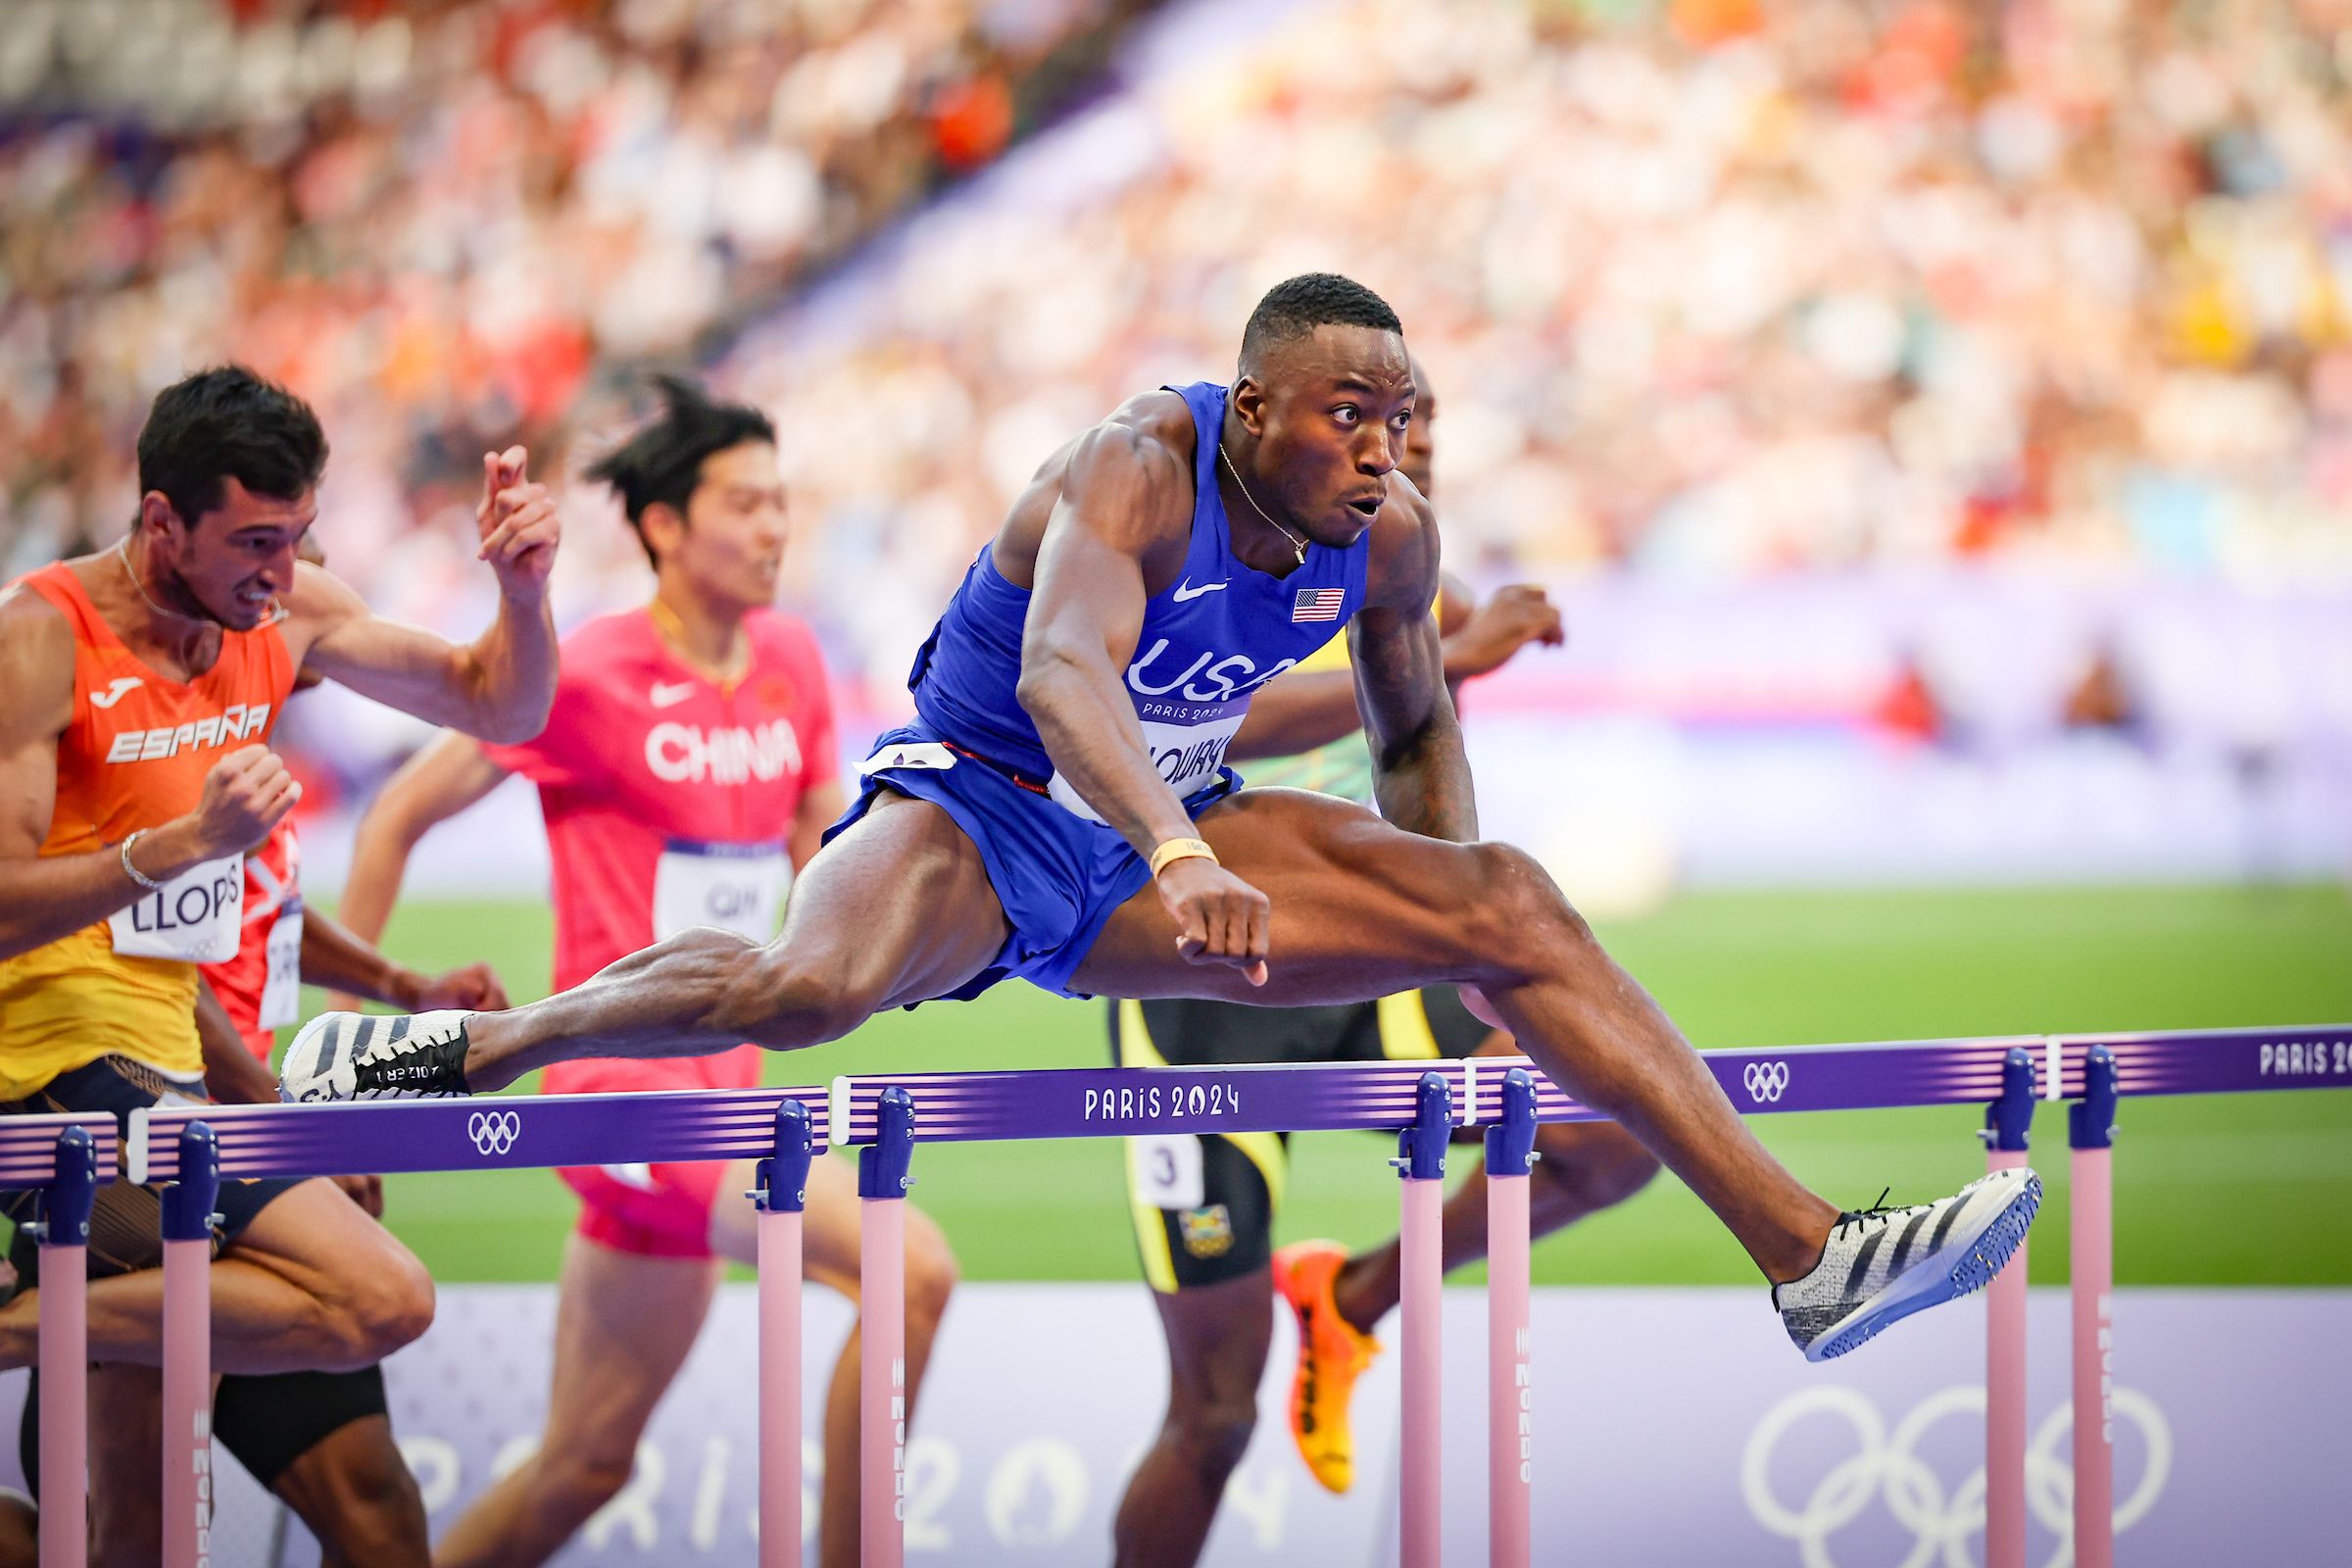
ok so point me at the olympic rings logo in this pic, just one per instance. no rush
(1766, 1081)
(1887, 1468)
(494, 1132)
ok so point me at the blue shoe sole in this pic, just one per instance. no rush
(1971, 1272)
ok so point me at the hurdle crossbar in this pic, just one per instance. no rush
(522, 1131)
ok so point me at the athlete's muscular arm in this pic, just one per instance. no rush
(1124, 494)
(244, 795)
(447, 776)
(1126, 498)
(1421, 776)
(337, 956)
(500, 686)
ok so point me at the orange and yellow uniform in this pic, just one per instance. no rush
(134, 755)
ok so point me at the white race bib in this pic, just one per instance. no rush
(735, 887)
(1188, 756)
(282, 991)
(194, 918)
(1165, 1170)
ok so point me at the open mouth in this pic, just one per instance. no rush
(1366, 506)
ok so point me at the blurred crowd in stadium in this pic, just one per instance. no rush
(1710, 287)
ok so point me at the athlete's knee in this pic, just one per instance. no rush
(383, 1309)
(1596, 1172)
(1521, 916)
(1212, 1436)
(575, 1478)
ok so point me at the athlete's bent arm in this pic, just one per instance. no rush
(337, 958)
(51, 897)
(447, 776)
(500, 686)
(1421, 776)
(1124, 497)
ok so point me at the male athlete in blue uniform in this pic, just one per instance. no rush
(1060, 811)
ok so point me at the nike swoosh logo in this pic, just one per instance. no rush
(663, 696)
(115, 691)
(1184, 589)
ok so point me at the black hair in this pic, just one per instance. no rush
(1296, 305)
(222, 423)
(662, 462)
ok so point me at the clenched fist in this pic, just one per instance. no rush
(246, 794)
(1219, 917)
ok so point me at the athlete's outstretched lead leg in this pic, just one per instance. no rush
(1361, 909)
(898, 908)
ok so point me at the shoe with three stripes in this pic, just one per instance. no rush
(350, 1055)
(1882, 1264)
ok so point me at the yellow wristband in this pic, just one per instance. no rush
(1174, 849)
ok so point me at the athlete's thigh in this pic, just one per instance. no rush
(1361, 908)
(897, 906)
(625, 1323)
(315, 1235)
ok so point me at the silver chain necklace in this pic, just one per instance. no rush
(1298, 545)
(133, 572)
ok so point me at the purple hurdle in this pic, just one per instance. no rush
(781, 1196)
(1421, 1164)
(882, 1183)
(1510, 1461)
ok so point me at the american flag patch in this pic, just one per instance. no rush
(1318, 604)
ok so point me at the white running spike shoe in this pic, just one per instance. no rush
(351, 1055)
(1882, 1264)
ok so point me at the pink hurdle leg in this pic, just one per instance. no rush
(2005, 1403)
(65, 1408)
(1421, 1262)
(882, 1327)
(187, 1403)
(2093, 1258)
(783, 1189)
(188, 1351)
(1510, 1397)
(64, 1233)
(2008, 1122)
(2092, 1131)
(1420, 1419)
(1510, 1452)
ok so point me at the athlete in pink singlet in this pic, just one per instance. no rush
(688, 768)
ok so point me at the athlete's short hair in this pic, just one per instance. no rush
(662, 462)
(1296, 305)
(222, 423)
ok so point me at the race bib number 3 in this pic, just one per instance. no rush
(193, 918)
(735, 887)
(1166, 1170)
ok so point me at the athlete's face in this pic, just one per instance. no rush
(1331, 410)
(1421, 436)
(232, 562)
(732, 545)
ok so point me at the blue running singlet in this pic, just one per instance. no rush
(1209, 640)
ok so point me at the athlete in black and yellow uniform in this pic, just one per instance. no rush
(1204, 1207)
